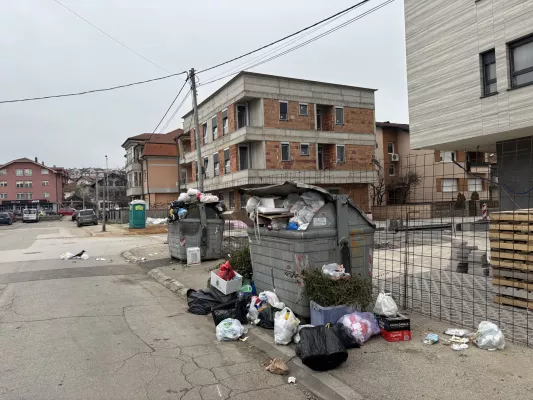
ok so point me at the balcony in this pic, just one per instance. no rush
(134, 191)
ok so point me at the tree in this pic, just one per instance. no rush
(401, 187)
(378, 191)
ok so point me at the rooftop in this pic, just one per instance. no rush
(388, 124)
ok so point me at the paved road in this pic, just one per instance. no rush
(104, 330)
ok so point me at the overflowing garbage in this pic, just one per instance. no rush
(179, 209)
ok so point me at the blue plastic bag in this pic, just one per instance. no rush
(293, 226)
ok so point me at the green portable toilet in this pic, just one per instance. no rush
(138, 214)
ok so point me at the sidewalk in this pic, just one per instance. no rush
(382, 370)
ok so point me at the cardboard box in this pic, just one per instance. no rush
(226, 287)
(398, 323)
(396, 336)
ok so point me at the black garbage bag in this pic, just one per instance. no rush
(320, 349)
(201, 302)
(342, 332)
(266, 316)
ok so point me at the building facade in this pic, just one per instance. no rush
(152, 168)
(470, 80)
(443, 174)
(29, 184)
(261, 129)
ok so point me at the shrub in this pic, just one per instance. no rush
(241, 262)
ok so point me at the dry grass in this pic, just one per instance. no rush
(149, 230)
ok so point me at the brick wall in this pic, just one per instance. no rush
(232, 122)
(358, 193)
(328, 118)
(357, 120)
(357, 157)
(297, 161)
(296, 121)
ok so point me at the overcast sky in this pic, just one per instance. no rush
(47, 50)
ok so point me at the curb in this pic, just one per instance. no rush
(129, 256)
(170, 283)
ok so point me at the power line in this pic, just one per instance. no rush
(171, 104)
(110, 37)
(286, 37)
(308, 41)
(169, 120)
(91, 91)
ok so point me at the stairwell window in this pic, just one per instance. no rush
(341, 154)
(204, 132)
(339, 116)
(488, 64)
(521, 60)
(214, 127)
(216, 164)
(227, 166)
(283, 111)
(285, 152)
(225, 121)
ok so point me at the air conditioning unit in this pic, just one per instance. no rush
(395, 157)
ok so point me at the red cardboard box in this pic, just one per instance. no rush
(396, 336)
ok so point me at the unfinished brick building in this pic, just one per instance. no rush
(261, 129)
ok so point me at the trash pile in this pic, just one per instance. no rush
(488, 337)
(82, 255)
(295, 212)
(179, 209)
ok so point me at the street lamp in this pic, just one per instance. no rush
(104, 195)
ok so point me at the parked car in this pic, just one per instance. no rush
(66, 211)
(30, 215)
(75, 215)
(12, 215)
(5, 218)
(86, 217)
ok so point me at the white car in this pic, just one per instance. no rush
(30, 215)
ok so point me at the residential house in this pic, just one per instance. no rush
(443, 174)
(26, 183)
(470, 82)
(262, 129)
(115, 191)
(152, 168)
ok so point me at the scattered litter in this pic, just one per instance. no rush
(291, 379)
(143, 258)
(489, 337)
(66, 256)
(156, 221)
(335, 271)
(103, 259)
(285, 326)
(458, 347)
(278, 366)
(272, 299)
(79, 254)
(431, 338)
(385, 305)
(155, 254)
(230, 329)
(244, 339)
(84, 256)
(458, 332)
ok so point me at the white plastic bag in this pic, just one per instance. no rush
(230, 329)
(385, 305)
(66, 256)
(84, 256)
(290, 200)
(208, 198)
(192, 192)
(361, 325)
(489, 336)
(285, 326)
(335, 271)
(252, 204)
(184, 197)
(313, 200)
(272, 299)
(296, 338)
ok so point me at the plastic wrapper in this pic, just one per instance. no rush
(208, 198)
(297, 207)
(335, 271)
(385, 305)
(303, 227)
(285, 326)
(313, 200)
(280, 224)
(230, 329)
(235, 309)
(182, 213)
(192, 192)
(290, 200)
(361, 325)
(320, 349)
(292, 226)
(252, 204)
(296, 338)
(489, 336)
(306, 215)
(184, 197)
(226, 272)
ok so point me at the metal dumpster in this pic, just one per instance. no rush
(201, 228)
(339, 232)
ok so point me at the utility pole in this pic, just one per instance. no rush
(104, 196)
(97, 199)
(179, 166)
(199, 167)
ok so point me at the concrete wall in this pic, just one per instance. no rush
(257, 155)
(444, 40)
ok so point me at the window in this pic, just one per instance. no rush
(28, 172)
(44, 171)
(3, 195)
(28, 184)
(339, 116)
(241, 116)
(243, 157)
(341, 154)
(3, 183)
(449, 185)
(206, 167)
(285, 152)
(19, 172)
(204, 132)
(45, 183)
(145, 175)
(214, 127)
(390, 148)
(304, 149)
(304, 109)
(488, 64)
(20, 196)
(521, 58)
(244, 200)
(19, 184)
(135, 179)
(447, 156)
(29, 196)
(227, 168)
(475, 185)
(283, 111)
(215, 164)
(46, 195)
(232, 199)
(392, 169)
(225, 121)
(3, 171)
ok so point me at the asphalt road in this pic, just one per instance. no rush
(104, 330)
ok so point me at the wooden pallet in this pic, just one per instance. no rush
(515, 283)
(511, 235)
(525, 215)
(520, 227)
(510, 301)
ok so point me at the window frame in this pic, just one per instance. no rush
(231, 199)
(29, 196)
(46, 195)
(227, 161)
(308, 149)
(28, 172)
(3, 183)
(214, 127)
(43, 183)
(453, 157)
(486, 83)
(204, 132)
(337, 153)
(216, 165)
(19, 172)
(513, 74)
(306, 109)
(287, 113)
(342, 109)
(44, 171)
(206, 167)
(455, 187)
(288, 153)
(225, 124)
(20, 196)
(28, 184)
(3, 195)
(393, 147)
(3, 172)
(19, 184)
(393, 169)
